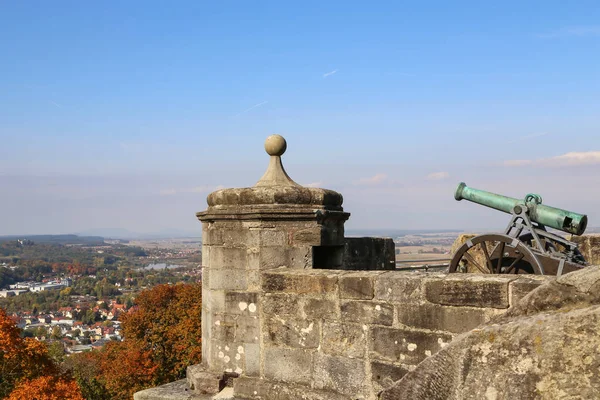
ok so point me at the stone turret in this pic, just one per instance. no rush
(275, 223)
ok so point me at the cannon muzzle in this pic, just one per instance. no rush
(552, 217)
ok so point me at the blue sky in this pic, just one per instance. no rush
(128, 115)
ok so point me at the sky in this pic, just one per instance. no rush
(127, 114)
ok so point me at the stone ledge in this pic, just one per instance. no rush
(177, 390)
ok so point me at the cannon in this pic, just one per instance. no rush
(525, 246)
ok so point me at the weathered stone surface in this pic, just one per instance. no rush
(247, 329)
(546, 347)
(300, 282)
(345, 339)
(441, 318)
(385, 375)
(228, 257)
(201, 381)
(252, 388)
(252, 357)
(404, 346)
(227, 279)
(357, 285)
(367, 312)
(244, 303)
(473, 290)
(405, 287)
(344, 375)
(288, 365)
(280, 304)
(223, 327)
(292, 332)
(317, 308)
(524, 285)
(589, 246)
(177, 390)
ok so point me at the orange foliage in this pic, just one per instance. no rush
(20, 358)
(126, 368)
(168, 321)
(46, 388)
(25, 363)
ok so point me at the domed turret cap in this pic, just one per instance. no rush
(276, 187)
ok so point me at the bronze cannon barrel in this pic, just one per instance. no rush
(552, 217)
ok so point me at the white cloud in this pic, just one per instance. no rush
(576, 158)
(437, 176)
(517, 163)
(573, 158)
(330, 73)
(314, 184)
(374, 180)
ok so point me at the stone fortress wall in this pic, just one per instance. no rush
(287, 314)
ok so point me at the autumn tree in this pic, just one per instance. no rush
(26, 368)
(168, 323)
(46, 387)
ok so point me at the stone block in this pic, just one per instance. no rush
(244, 303)
(227, 279)
(358, 285)
(290, 281)
(367, 312)
(201, 381)
(225, 357)
(288, 365)
(272, 257)
(307, 236)
(280, 304)
(341, 374)
(247, 329)
(223, 327)
(228, 257)
(442, 318)
(400, 286)
(213, 300)
(300, 257)
(252, 357)
(254, 388)
(319, 308)
(385, 375)
(405, 346)
(174, 390)
(344, 339)
(523, 286)
(484, 291)
(292, 332)
(273, 238)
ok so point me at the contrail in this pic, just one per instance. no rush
(330, 73)
(56, 104)
(251, 108)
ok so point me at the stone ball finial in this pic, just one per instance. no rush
(275, 145)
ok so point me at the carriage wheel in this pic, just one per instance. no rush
(495, 254)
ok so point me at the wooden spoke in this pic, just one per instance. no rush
(500, 256)
(472, 260)
(488, 261)
(513, 264)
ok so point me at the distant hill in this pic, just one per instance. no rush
(395, 232)
(120, 233)
(57, 239)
